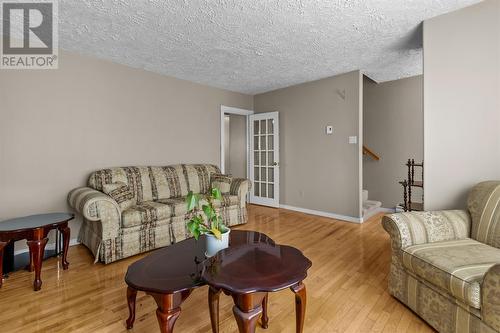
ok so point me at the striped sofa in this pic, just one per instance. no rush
(446, 264)
(130, 210)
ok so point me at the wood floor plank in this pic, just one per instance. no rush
(347, 286)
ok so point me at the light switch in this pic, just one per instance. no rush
(353, 140)
(329, 129)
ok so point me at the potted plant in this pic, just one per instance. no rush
(209, 223)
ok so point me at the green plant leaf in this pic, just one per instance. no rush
(191, 201)
(209, 212)
(216, 193)
(191, 225)
(196, 234)
(194, 227)
(216, 233)
(220, 223)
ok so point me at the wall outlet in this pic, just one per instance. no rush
(353, 140)
(329, 129)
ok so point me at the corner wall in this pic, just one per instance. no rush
(317, 171)
(393, 129)
(56, 126)
(461, 103)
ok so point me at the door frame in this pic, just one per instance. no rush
(237, 111)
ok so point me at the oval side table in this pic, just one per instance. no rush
(35, 229)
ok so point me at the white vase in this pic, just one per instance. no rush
(214, 245)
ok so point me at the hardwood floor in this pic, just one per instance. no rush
(347, 287)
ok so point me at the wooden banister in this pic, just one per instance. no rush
(370, 153)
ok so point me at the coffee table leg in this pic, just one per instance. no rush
(265, 318)
(131, 297)
(65, 230)
(169, 309)
(2, 245)
(37, 250)
(247, 310)
(213, 305)
(300, 305)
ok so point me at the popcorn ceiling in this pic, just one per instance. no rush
(253, 46)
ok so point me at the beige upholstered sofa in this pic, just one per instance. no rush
(130, 210)
(446, 264)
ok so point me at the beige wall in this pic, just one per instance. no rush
(318, 171)
(461, 103)
(237, 164)
(393, 128)
(56, 126)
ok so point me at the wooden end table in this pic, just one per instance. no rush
(170, 274)
(248, 273)
(35, 229)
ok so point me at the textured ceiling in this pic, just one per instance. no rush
(253, 46)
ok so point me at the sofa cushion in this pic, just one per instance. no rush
(483, 204)
(153, 211)
(121, 193)
(198, 176)
(168, 182)
(220, 181)
(456, 266)
(137, 178)
(153, 183)
(145, 213)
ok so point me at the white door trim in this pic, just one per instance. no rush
(232, 110)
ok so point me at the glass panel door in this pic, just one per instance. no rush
(264, 158)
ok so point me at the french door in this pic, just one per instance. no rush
(264, 158)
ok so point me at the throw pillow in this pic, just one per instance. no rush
(121, 193)
(220, 181)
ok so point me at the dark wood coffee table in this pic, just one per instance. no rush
(170, 274)
(35, 229)
(248, 273)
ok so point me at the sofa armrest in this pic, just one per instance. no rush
(490, 298)
(97, 206)
(412, 228)
(240, 187)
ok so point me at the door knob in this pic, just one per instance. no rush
(275, 163)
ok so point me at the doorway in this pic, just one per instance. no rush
(249, 148)
(234, 142)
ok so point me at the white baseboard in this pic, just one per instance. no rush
(51, 246)
(324, 214)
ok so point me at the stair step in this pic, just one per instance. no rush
(365, 195)
(371, 204)
(370, 207)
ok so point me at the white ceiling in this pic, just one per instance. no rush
(253, 46)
